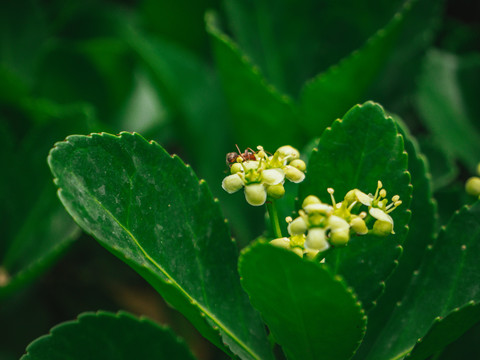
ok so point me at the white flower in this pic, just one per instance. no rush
(255, 194)
(232, 183)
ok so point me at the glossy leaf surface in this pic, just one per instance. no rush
(448, 279)
(356, 152)
(104, 335)
(151, 211)
(310, 312)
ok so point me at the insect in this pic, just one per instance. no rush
(232, 157)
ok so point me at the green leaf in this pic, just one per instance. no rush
(104, 335)
(291, 42)
(422, 229)
(36, 230)
(345, 83)
(356, 152)
(310, 312)
(445, 105)
(257, 108)
(445, 330)
(152, 212)
(447, 279)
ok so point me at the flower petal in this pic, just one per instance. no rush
(272, 176)
(255, 194)
(363, 198)
(232, 183)
(379, 214)
(293, 174)
(316, 240)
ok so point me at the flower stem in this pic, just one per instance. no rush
(274, 222)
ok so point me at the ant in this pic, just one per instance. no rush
(232, 157)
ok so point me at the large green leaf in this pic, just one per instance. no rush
(447, 279)
(356, 152)
(104, 335)
(151, 211)
(421, 234)
(310, 311)
(257, 108)
(445, 104)
(345, 83)
(445, 330)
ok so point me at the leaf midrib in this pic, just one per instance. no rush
(174, 282)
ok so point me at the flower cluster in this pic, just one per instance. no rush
(472, 186)
(320, 226)
(261, 175)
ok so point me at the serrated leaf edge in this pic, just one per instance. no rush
(398, 17)
(169, 280)
(335, 277)
(106, 314)
(213, 30)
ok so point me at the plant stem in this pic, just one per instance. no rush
(274, 222)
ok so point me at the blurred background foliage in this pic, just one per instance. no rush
(199, 77)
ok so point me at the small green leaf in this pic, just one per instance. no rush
(257, 108)
(445, 330)
(447, 279)
(104, 335)
(333, 91)
(151, 211)
(310, 312)
(444, 103)
(356, 152)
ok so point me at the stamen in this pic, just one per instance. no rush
(383, 193)
(331, 191)
(363, 214)
(395, 198)
(288, 219)
(379, 186)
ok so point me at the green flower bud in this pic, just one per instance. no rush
(232, 183)
(275, 191)
(289, 151)
(339, 231)
(281, 242)
(293, 174)
(297, 226)
(382, 228)
(236, 167)
(472, 186)
(358, 225)
(340, 237)
(298, 164)
(310, 199)
(255, 194)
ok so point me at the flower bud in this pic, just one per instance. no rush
(358, 225)
(275, 191)
(382, 228)
(340, 237)
(339, 231)
(472, 186)
(297, 226)
(281, 242)
(232, 183)
(255, 194)
(289, 151)
(236, 167)
(293, 174)
(310, 199)
(298, 164)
